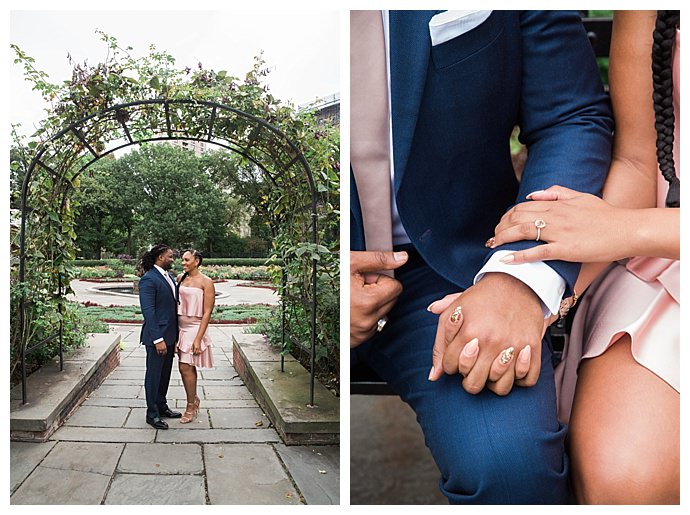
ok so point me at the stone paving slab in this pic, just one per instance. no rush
(98, 416)
(156, 489)
(119, 392)
(227, 392)
(238, 417)
(174, 392)
(132, 363)
(315, 470)
(246, 474)
(125, 373)
(112, 401)
(124, 382)
(50, 486)
(161, 458)
(99, 458)
(220, 403)
(104, 434)
(24, 457)
(259, 435)
(225, 373)
(137, 419)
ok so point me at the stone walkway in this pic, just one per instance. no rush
(105, 453)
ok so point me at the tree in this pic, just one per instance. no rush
(259, 125)
(178, 203)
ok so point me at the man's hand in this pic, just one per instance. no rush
(500, 311)
(161, 348)
(372, 294)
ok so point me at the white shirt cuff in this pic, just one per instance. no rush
(544, 280)
(158, 340)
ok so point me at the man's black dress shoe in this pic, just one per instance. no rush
(157, 423)
(168, 413)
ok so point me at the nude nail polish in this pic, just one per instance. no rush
(507, 259)
(471, 348)
(529, 197)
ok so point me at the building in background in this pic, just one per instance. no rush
(326, 108)
(198, 147)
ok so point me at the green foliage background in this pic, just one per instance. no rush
(122, 78)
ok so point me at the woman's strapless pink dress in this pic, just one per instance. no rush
(640, 298)
(189, 314)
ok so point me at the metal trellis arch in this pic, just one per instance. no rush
(85, 141)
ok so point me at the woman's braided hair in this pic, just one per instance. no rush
(662, 76)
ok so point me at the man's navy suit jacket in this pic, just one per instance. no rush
(159, 307)
(453, 108)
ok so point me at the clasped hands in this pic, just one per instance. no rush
(497, 313)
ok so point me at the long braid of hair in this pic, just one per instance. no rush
(148, 259)
(662, 76)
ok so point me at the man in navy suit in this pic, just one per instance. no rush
(458, 84)
(159, 332)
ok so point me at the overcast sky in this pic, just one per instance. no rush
(301, 47)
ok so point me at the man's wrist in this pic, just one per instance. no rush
(543, 280)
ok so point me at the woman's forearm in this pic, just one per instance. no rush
(656, 233)
(205, 320)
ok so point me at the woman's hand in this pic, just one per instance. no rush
(579, 227)
(196, 347)
(468, 356)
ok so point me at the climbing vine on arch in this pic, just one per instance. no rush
(190, 94)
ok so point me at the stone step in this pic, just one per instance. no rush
(52, 395)
(284, 395)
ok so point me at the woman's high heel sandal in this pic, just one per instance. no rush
(189, 414)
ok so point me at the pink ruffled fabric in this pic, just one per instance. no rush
(641, 299)
(190, 311)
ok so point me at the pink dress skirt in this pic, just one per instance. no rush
(640, 298)
(189, 314)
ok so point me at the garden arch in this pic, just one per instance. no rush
(67, 154)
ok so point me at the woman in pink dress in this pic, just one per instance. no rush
(196, 296)
(619, 384)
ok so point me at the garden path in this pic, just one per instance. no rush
(105, 453)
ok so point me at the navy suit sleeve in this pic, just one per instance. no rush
(565, 118)
(147, 300)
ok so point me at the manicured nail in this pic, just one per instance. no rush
(529, 197)
(400, 256)
(525, 354)
(430, 306)
(431, 373)
(507, 259)
(490, 242)
(471, 348)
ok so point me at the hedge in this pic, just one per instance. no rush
(207, 261)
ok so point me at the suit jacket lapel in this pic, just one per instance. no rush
(410, 47)
(162, 279)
